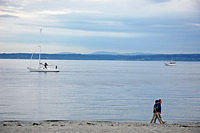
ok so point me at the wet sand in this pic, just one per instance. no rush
(96, 127)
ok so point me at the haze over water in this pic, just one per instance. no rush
(99, 91)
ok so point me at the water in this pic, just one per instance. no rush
(100, 91)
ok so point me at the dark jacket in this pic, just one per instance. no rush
(159, 108)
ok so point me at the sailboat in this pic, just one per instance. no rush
(42, 67)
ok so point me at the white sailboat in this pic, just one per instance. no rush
(42, 67)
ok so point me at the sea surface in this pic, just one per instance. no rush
(99, 91)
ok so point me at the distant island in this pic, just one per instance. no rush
(107, 56)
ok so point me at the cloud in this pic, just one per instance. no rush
(7, 16)
(195, 24)
(18, 14)
(119, 19)
(66, 11)
(70, 32)
(103, 8)
(48, 12)
(33, 47)
(30, 29)
(5, 2)
(146, 8)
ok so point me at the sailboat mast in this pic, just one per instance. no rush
(39, 55)
(40, 46)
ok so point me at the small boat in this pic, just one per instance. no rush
(170, 64)
(42, 67)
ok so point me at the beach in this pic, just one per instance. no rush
(53, 126)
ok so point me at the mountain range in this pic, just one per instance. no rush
(110, 53)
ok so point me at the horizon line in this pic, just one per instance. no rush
(128, 54)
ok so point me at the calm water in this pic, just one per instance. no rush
(100, 90)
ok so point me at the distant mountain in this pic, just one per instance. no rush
(66, 53)
(105, 53)
(115, 53)
(138, 53)
(109, 53)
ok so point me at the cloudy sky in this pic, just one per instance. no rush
(85, 26)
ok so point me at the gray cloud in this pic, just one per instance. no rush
(127, 22)
(7, 10)
(8, 16)
(8, 3)
(4, 2)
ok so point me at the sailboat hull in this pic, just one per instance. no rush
(42, 69)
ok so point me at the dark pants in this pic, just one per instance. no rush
(155, 117)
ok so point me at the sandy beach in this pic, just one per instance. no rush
(96, 127)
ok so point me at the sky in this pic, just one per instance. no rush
(86, 26)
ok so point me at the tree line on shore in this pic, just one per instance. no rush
(152, 57)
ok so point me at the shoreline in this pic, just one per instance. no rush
(124, 57)
(95, 127)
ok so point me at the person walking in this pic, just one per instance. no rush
(155, 113)
(159, 112)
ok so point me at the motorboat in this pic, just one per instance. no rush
(171, 63)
